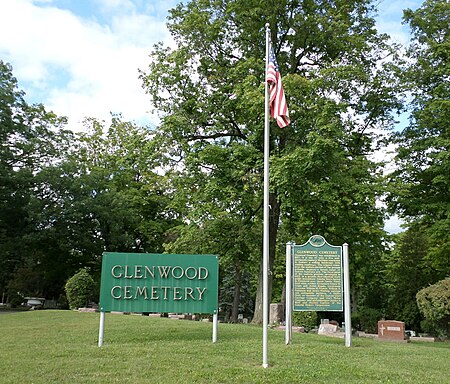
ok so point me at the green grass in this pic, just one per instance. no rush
(61, 347)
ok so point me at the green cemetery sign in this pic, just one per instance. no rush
(317, 276)
(146, 282)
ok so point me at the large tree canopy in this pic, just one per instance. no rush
(104, 196)
(421, 183)
(65, 198)
(30, 139)
(340, 87)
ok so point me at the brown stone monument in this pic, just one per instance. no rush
(391, 330)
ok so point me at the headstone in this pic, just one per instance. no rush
(275, 313)
(327, 329)
(391, 330)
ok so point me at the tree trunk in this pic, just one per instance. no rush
(283, 303)
(237, 293)
(353, 299)
(274, 219)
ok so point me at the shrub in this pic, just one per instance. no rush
(15, 299)
(306, 319)
(434, 304)
(79, 289)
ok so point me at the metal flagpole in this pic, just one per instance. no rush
(265, 306)
(288, 309)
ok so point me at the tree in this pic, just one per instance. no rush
(30, 139)
(340, 88)
(406, 271)
(104, 196)
(434, 303)
(420, 185)
(66, 198)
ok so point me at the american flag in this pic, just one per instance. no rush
(278, 107)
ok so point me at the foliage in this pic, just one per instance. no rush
(102, 195)
(306, 319)
(406, 270)
(112, 200)
(30, 140)
(79, 289)
(366, 319)
(421, 183)
(26, 281)
(340, 89)
(434, 304)
(235, 283)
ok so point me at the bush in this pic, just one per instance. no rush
(306, 319)
(79, 289)
(434, 304)
(15, 299)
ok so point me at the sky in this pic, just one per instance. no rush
(80, 58)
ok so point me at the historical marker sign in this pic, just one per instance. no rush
(146, 282)
(317, 276)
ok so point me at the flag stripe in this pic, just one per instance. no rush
(278, 106)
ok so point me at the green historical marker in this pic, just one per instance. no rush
(146, 282)
(317, 276)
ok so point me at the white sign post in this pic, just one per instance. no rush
(214, 335)
(101, 331)
(347, 308)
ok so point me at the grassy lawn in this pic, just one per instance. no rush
(61, 347)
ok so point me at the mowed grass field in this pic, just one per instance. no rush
(61, 347)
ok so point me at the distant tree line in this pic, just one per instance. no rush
(194, 183)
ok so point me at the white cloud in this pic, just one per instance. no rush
(78, 67)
